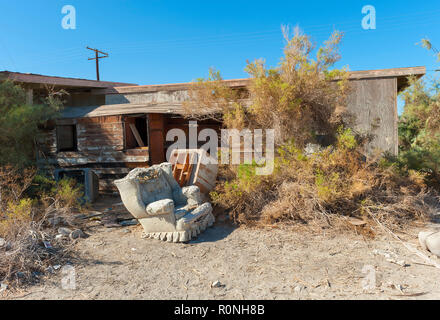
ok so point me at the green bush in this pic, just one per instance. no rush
(19, 123)
(419, 130)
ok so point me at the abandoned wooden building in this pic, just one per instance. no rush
(113, 127)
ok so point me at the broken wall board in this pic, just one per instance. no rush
(194, 167)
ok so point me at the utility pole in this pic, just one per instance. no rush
(97, 57)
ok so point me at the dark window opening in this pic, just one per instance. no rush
(136, 132)
(66, 138)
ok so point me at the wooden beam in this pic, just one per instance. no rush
(388, 73)
(136, 135)
(29, 96)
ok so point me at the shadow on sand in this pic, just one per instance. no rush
(215, 233)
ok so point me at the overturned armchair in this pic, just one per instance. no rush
(165, 210)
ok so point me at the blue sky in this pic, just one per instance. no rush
(153, 42)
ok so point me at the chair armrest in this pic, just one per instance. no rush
(192, 193)
(131, 197)
(160, 207)
(191, 217)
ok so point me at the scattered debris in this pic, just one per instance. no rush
(59, 236)
(93, 214)
(119, 204)
(299, 288)
(217, 284)
(55, 221)
(2, 242)
(47, 245)
(408, 246)
(430, 240)
(64, 231)
(131, 222)
(417, 294)
(400, 288)
(112, 224)
(76, 234)
(356, 221)
(3, 287)
(312, 148)
(391, 257)
(305, 283)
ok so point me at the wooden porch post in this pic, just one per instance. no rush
(156, 123)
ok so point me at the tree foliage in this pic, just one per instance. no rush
(19, 123)
(419, 129)
(419, 126)
(300, 98)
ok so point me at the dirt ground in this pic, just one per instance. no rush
(117, 263)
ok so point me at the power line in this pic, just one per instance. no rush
(403, 20)
(96, 58)
(9, 56)
(349, 28)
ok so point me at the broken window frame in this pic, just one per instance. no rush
(137, 140)
(74, 144)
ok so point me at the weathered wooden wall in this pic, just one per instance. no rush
(100, 145)
(175, 96)
(373, 103)
(78, 99)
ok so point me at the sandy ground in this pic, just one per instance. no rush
(117, 263)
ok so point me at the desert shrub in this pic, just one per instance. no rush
(41, 185)
(69, 193)
(28, 201)
(29, 205)
(327, 186)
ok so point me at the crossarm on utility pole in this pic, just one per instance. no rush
(96, 58)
